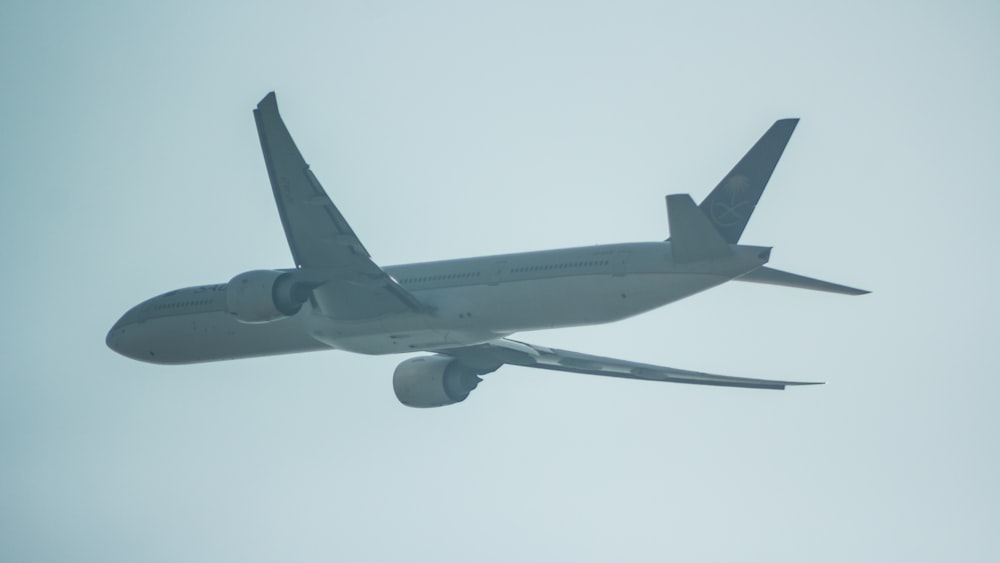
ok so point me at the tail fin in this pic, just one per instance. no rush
(731, 203)
(692, 237)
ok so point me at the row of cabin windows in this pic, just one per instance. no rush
(461, 276)
(196, 290)
(163, 306)
(544, 267)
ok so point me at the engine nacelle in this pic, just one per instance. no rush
(433, 381)
(262, 296)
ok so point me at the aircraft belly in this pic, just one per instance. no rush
(401, 333)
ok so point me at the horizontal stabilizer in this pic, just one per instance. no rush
(771, 276)
(692, 237)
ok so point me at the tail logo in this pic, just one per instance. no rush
(734, 209)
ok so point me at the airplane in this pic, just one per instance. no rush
(460, 312)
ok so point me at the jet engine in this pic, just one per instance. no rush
(433, 381)
(262, 296)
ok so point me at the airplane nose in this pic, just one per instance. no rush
(116, 338)
(126, 339)
(113, 339)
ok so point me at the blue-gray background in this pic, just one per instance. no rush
(129, 165)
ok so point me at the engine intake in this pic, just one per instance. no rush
(433, 381)
(262, 296)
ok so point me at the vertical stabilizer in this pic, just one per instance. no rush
(692, 237)
(731, 203)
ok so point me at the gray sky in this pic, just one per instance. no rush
(130, 165)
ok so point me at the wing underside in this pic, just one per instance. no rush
(323, 245)
(488, 357)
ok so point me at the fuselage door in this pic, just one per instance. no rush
(497, 270)
(620, 262)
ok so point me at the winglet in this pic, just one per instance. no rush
(692, 236)
(731, 203)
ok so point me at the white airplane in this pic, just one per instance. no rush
(462, 311)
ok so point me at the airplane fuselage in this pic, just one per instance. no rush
(470, 301)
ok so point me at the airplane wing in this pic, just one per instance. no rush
(323, 245)
(490, 356)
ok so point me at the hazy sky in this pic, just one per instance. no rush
(130, 165)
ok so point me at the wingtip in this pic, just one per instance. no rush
(803, 383)
(853, 291)
(270, 100)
